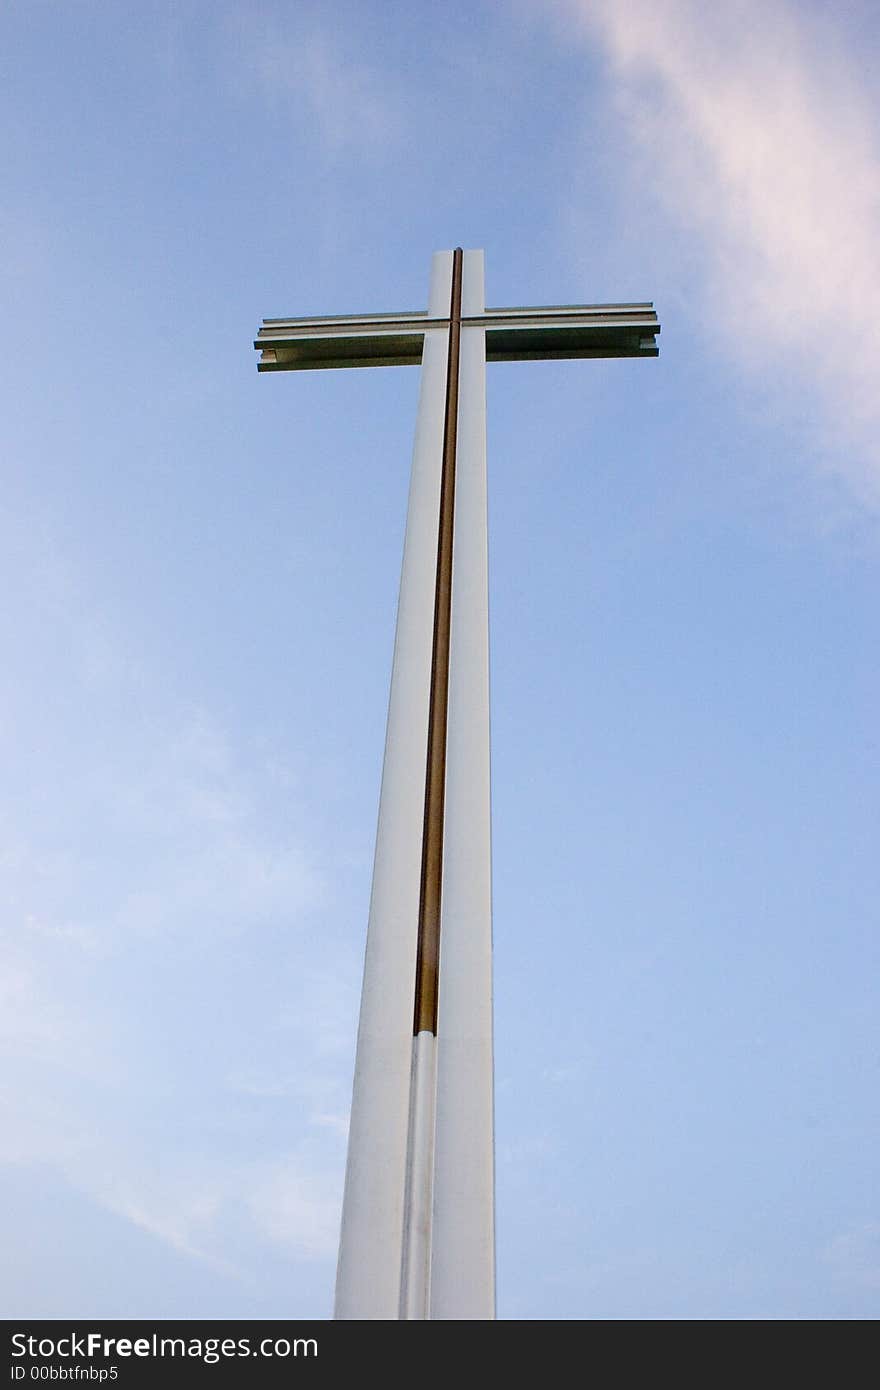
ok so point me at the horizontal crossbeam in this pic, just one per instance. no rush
(524, 334)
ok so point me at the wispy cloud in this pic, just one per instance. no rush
(296, 1205)
(175, 1013)
(854, 1256)
(289, 1201)
(756, 132)
(306, 72)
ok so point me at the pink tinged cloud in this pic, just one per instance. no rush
(758, 133)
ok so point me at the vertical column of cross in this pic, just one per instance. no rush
(418, 1206)
(368, 1284)
(462, 1238)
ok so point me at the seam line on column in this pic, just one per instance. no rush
(428, 953)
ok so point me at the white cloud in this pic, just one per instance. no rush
(854, 1256)
(291, 1201)
(297, 1206)
(122, 998)
(163, 923)
(754, 129)
(307, 73)
(176, 840)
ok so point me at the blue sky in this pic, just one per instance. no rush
(200, 570)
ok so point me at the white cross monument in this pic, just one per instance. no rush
(417, 1237)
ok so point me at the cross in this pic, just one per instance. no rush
(417, 1236)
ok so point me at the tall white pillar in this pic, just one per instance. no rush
(370, 1247)
(463, 1240)
(417, 1238)
(417, 1235)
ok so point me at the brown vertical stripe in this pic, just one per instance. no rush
(428, 959)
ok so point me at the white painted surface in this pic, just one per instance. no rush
(473, 294)
(463, 1242)
(416, 1267)
(417, 1234)
(370, 1248)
